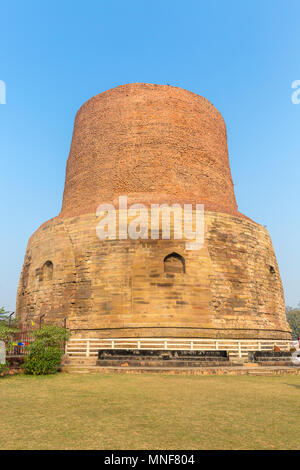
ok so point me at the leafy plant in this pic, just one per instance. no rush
(293, 318)
(42, 361)
(45, 352)
(4, 368)
(4, 316)
(51, 335)
(6, 335)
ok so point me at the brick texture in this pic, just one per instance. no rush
(153, 143)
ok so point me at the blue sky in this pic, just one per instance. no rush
(242, 56)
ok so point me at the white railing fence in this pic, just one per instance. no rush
(89, 347)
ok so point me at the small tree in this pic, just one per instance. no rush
(45, 352)
(293, 318)
(6, 320)
(6, 335)
(4, 316)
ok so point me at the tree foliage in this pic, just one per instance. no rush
(4, 316)
(6, 333)
(293, 318)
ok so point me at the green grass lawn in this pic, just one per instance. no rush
(149, 412)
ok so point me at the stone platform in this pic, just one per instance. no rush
(175, 362)
(237, 370)
(162, 358)
(271, 358)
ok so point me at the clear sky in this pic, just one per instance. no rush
(241, 55)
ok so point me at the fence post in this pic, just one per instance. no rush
(41, 318)
(192, 344)
(259, 345)
(165, 345)
(112, 344)
(217, 345)
(240, 349)
(88, 348)
(139, 344)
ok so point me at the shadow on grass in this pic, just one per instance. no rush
(293, 385)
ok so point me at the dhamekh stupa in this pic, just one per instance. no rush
(154, 144)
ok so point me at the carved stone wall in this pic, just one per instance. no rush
(119, 288)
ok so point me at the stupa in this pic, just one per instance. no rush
(154, 144)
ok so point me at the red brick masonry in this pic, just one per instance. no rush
(154, 143)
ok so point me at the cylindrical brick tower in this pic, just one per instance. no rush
(156, 145)
(152, 143)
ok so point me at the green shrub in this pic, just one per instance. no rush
(4, 368)
(45, 352)
(44, 361)
(293, 317)
(6, 335)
